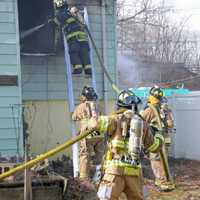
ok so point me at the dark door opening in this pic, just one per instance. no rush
(36, 39)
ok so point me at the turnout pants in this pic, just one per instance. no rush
(157, 167)
(112, 186)
(79, 52)
(90, 150)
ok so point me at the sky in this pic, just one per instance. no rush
(188, 8)
(184, 8)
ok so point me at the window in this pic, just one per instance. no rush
(36, 39)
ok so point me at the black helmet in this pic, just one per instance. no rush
(60, 4)
(89, 93)
(127, 99)
(156, 92)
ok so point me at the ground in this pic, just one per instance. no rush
(187, 177)
(185, 172)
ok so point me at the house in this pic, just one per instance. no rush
(11, 138)
(40, 93)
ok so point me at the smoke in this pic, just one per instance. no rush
(128, 72)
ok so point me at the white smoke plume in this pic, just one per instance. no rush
(127, 69)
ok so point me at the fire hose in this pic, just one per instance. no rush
(41, 157)
(114, 86)
(162, 152)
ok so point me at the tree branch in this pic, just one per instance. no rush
(132, 17)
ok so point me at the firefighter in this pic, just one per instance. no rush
(126, 133)
(168, 120)
(92, 147)
(72, 24)
(149, 115)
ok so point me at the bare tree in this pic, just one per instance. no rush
(145, 29)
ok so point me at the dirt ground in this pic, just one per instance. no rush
(185, 172)
(187, 178)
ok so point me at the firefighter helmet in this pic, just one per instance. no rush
(74, 10)
(127, 99)
(89, 93)
(156, 92)
(60, 4)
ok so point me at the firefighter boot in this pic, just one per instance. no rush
(165, 186)
(77, 69)
(88, 70)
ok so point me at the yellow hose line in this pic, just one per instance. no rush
(43, 156)
(157, 115)
(116, 89)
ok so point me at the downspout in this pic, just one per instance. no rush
(104, 53)
(20, 144)
(116, 48)
(19, 106)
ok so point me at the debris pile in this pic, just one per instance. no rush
(10, 159)
(62, 166)
(78, 190)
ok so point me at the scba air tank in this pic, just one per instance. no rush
(135, 138)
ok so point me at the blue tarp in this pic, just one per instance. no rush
(143, 92)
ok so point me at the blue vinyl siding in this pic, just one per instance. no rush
(10, 96)
(43, 78)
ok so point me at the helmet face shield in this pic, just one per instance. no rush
(132, 100)
(128, 99)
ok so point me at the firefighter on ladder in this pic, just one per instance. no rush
(92, 147)
(72, 24)
(127, 133)
(149, 115)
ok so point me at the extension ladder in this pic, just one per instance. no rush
(81, 80)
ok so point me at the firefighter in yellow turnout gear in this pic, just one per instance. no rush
(163, 182)
(127, 134)
(92, 147)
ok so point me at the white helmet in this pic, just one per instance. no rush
(60, 3)
(74, 10)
